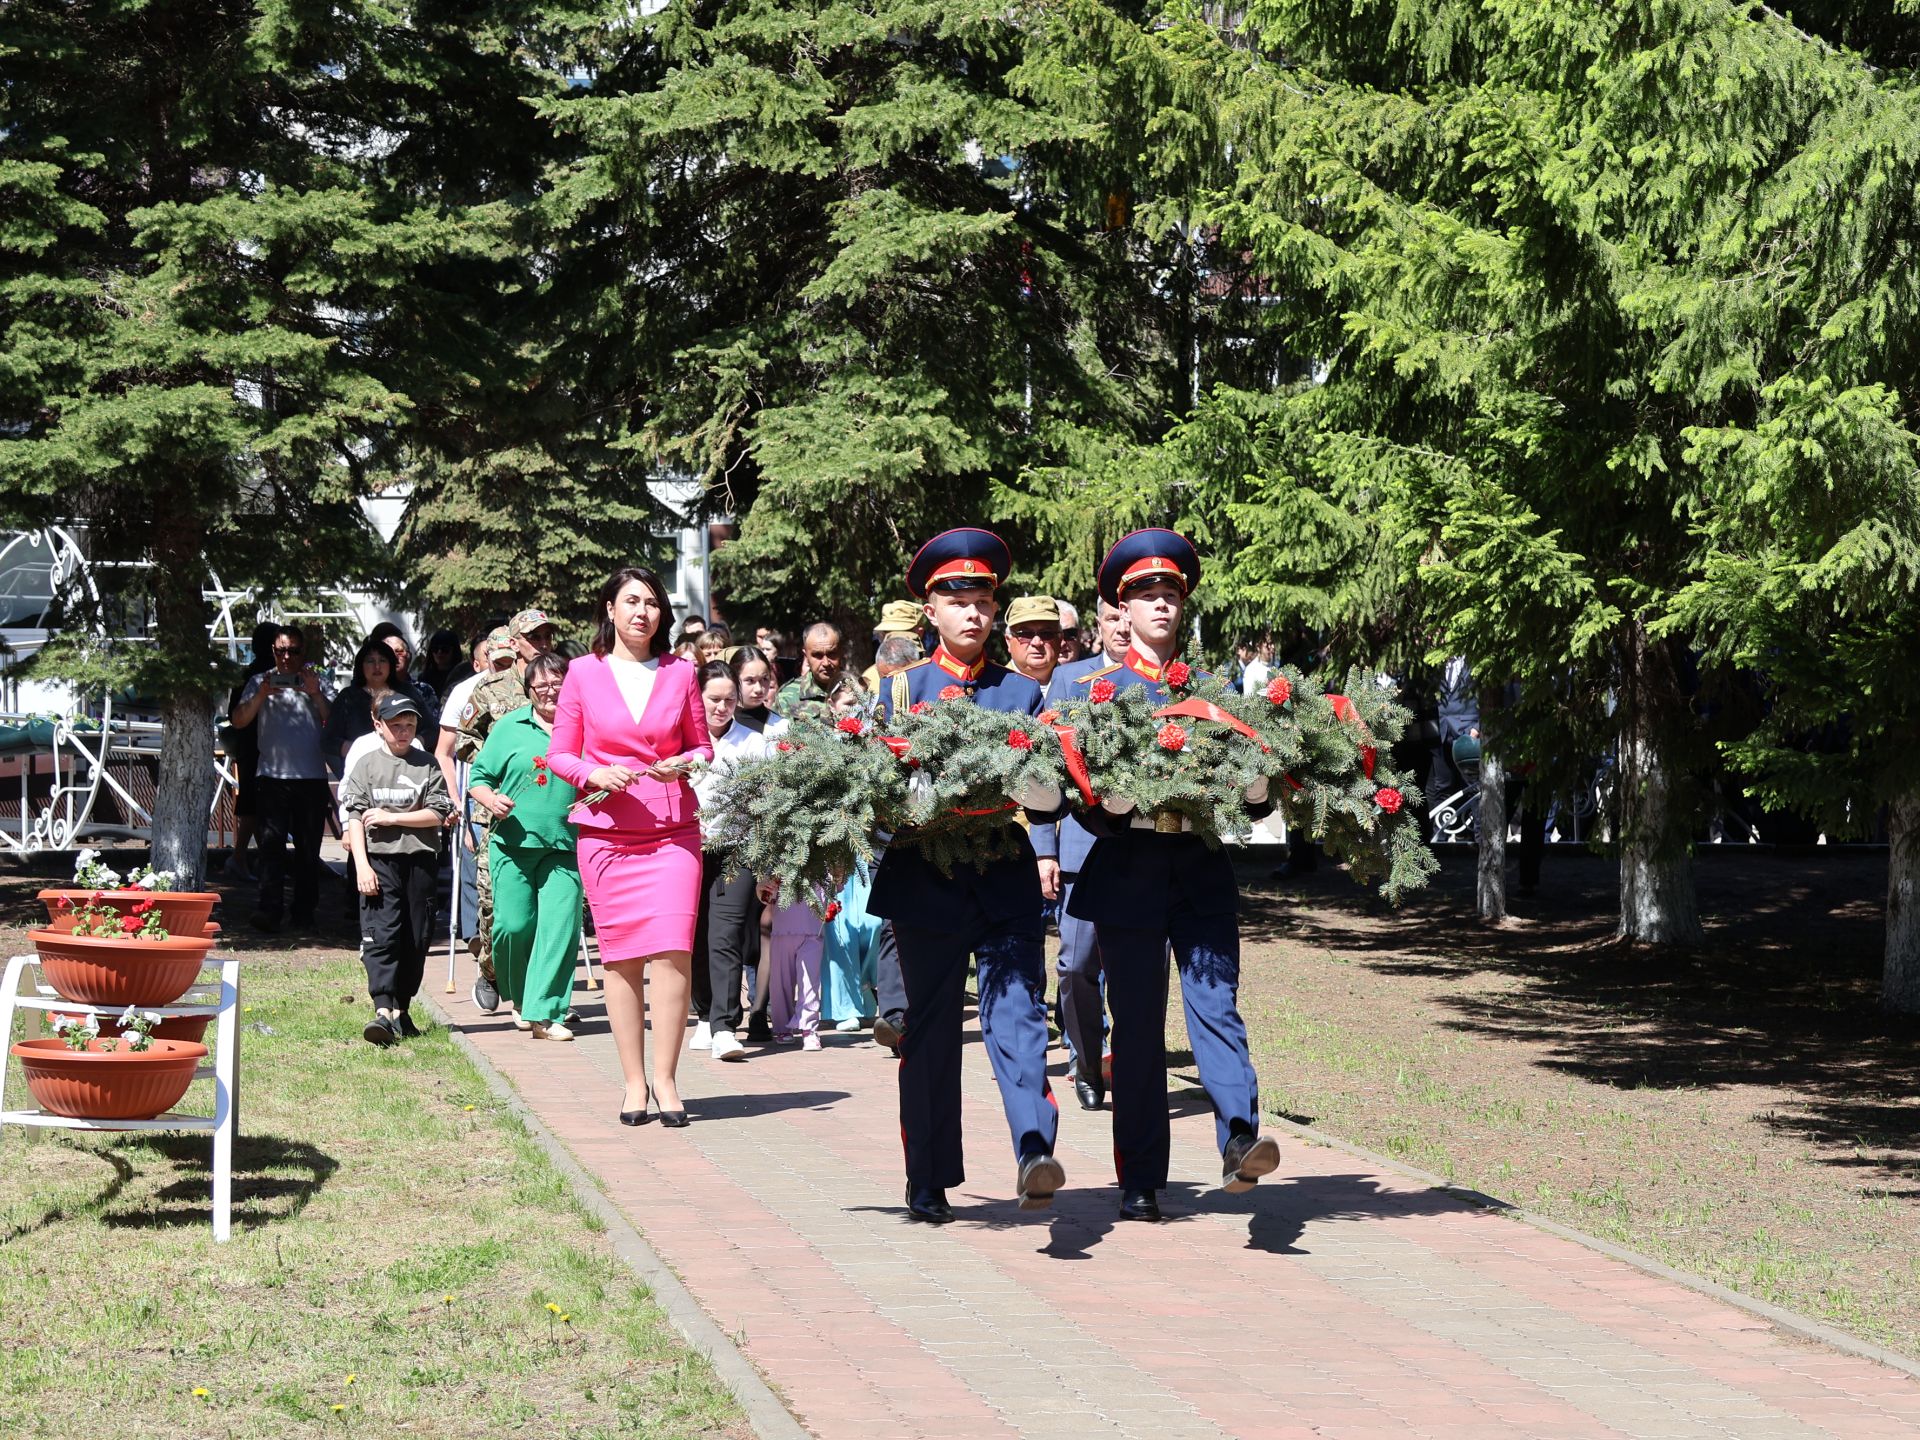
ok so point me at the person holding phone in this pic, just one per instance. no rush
(289, 706)
(628, 731)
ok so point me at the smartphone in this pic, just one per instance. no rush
(283, 681)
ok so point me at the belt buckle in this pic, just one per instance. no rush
(1169, 822)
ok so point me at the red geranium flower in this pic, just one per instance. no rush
(920, 707)
(1389, 799)
(1279, 691)
(849, 725)
(64, 903)
(1179, 673)
(141, 907)
(1019, 740)
(131, 923)
(951, 692)
(833, 908)
(1102, 691)
(1172, 737)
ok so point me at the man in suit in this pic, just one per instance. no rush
(993, 914)
(1063, 850)
(1147, 882)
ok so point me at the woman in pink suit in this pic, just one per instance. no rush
(630, 722)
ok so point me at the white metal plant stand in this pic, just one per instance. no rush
(219, 999)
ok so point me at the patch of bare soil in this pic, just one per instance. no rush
(1745, 1112)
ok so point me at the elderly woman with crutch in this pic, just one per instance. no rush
(531, 853)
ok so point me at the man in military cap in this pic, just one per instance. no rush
(530, 633)
(1147, 882)
(994, 915)
(899, 628)
(1033, 637)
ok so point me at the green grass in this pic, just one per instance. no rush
(392, 1224)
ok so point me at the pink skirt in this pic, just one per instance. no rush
(644, 891)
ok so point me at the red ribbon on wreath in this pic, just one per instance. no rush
(1343, 709)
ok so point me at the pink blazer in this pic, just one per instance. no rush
(593, 727)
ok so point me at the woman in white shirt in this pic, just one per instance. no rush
(727, 910)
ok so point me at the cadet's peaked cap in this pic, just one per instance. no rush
(1148, 555)
(958, 559)
(899, 617)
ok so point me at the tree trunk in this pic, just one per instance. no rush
(1900, 980)
(1491, 887)
(185, 795)
(1657, 902)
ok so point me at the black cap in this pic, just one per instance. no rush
(393, 706)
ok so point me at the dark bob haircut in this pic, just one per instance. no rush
(603, 632)
(716, 670)
(545, 663)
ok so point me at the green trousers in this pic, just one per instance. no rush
(536, 928)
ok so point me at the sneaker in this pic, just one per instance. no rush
(810, 1041)
(727, 1046)
(549, 1030)
(381, 1031)
(486, 999)
(848, 1026)
(702, 1037)
(520, 1023)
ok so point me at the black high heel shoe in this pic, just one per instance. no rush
(672, 1119)
(640, 1116)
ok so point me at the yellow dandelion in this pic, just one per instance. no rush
(338, 1408)
(553, 1307)
(469, 1107)
(566, 1319)
(200, 1392)
(352, 1378)
(446, 1299)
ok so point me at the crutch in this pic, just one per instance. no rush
(453, 907)
(586, 958)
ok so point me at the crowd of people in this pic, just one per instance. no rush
(571, 787)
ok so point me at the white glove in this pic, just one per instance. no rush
(1036, 795)
(1256, 793)
(1116, 805)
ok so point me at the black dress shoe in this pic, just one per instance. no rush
(1040, 1176)
(888, 1032)
(1090, 1095)
(380, 1031)
(1245, 1160)
(1139, 1205)
(929, 1207)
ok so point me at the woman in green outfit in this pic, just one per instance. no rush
(536, 877)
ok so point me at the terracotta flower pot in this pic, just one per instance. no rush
(118, 973)
(174, 1027)
(95, 1084)
(184, 912)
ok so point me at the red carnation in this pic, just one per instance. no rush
(1179, 673)
(1102, 691)
(849, 725)
(1279, 691)
(1049, 717)
(833, 908)
(131, 923)
(920, 707)
(539, 762)
(783, 745)
(1389, 799)
(539, 779)
(1172, 737)
(1019, 740)
(952, 692)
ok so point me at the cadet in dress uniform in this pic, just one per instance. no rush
(1149, 881)
(993, 915)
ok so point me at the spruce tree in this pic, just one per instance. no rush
(1540, 250)
(217, 289)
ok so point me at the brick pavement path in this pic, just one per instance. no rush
(1335, 1300)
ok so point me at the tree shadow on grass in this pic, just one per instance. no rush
(273, 1180)
(1784, 995)
(57, 1211)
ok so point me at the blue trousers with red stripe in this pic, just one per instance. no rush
(1206, 948)
(1011, 957)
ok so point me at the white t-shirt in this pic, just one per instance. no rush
(635, 679)
(457, 698)
(365, 745)
(1256, 678)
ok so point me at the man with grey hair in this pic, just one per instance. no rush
(823, 649)
(1069, 633)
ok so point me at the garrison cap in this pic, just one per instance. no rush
(958, 560)
(1148, 555)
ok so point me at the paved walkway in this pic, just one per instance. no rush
(1335, 1300)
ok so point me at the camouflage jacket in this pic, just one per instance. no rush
(493, 697)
